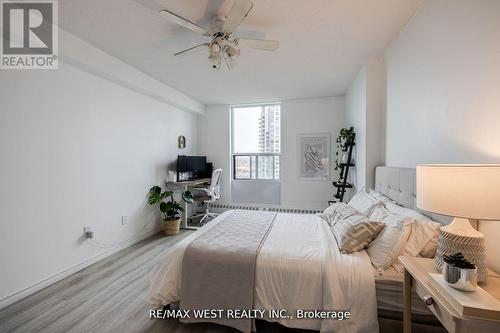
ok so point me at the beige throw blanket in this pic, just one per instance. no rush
(218, 267)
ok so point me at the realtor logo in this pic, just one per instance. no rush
(29, 34)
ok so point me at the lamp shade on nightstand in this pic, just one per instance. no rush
(468, 191)
(464, 191)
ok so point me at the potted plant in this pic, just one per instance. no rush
(346, 135)
(169, 207)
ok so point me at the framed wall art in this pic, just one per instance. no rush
(314, 156)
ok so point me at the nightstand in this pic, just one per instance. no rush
(416, 276)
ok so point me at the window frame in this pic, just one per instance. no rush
(233, 155)
(257, 155)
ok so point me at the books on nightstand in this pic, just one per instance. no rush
(478, 303)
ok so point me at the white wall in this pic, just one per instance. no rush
(315, 115)
(356, 117)
(375, 118)
(77, 149)
(80, 54)
(214, 132)
(365, 111)
(443, 105)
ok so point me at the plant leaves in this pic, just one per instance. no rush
(164, 207)
(187, 197)
(155, 189)
(166, 194)
(154, 198)
(169, 207)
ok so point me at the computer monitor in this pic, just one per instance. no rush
(194, 164)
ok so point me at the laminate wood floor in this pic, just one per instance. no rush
(109, 296)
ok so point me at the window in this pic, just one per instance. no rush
(256, 145)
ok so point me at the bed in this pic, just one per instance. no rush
(295, 269)
(299, 267)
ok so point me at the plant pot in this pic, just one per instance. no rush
(172, 227)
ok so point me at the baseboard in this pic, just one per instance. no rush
(61, 275)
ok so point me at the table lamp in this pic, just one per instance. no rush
(463, 191)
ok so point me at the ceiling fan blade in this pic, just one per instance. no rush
(259, 44)
(227, 61)
(183, 22)
(238, 12)
(191, 48)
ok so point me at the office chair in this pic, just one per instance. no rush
(208, 195)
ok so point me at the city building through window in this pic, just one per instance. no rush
(256, 144)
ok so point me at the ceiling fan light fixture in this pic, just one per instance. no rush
(215, 61)
(223, 47)
(215, 48)
(231, 51)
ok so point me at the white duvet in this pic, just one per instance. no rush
(299, 267)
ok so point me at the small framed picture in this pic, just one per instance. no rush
(314, 156)
(182, 142)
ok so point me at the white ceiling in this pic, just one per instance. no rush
(323, 43)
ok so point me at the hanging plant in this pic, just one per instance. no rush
(346, 136)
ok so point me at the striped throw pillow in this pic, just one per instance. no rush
(355, 233)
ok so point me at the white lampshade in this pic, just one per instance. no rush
(460, 190)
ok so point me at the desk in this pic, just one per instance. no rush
(185, 185)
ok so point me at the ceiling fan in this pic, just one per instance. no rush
(223, 46)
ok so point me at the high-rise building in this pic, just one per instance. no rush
(269, 142)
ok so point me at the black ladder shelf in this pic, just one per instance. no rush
(342, 183)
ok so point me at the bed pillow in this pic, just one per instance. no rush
(355, 232)
(424, 232)
(380, 197)
(363, 203)
(336, 212)
(391, 241)
(378, 213)
(429, 250)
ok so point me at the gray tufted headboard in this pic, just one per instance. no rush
(399, 185)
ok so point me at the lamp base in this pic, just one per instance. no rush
(462, 227)
(460, 236)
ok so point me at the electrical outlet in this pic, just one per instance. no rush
(124, 220)
(86, 229)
